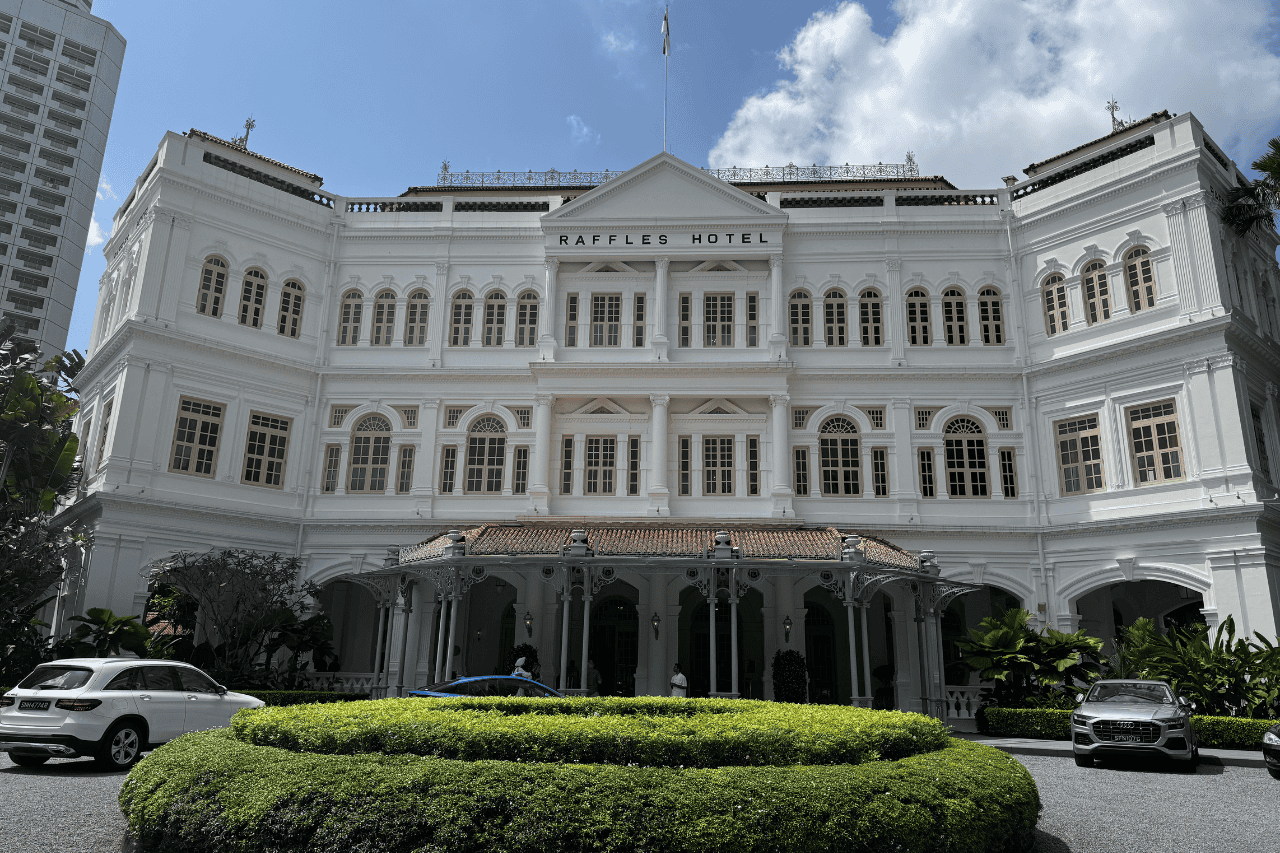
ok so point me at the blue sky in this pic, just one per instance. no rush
(374, 96)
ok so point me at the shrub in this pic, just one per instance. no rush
(648, 731)
(790, 677)
(281, 698)
(1214, 732)
(211, 792)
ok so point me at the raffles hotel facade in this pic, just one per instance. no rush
(857, 408)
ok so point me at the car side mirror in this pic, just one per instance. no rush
(1183, 700)
(220, 690)
(1079, 697)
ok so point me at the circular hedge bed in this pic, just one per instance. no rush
(450, 776)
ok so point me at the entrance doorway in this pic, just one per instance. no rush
(615, 643)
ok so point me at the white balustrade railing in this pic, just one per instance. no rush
(343, 682)
(962, 700)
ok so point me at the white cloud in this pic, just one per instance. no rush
(96, 235)
(105, 193)
(981, 88)
(616, 44)
(580, 133)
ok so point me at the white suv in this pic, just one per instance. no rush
(110, 708)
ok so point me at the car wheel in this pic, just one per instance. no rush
(120, 747)
(1083, 760)
(1274, 771)
(28, 760)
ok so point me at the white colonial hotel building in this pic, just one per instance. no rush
(1064, 388)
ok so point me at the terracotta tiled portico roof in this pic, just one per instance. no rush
(662, 540)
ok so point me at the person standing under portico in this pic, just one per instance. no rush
(679, 684)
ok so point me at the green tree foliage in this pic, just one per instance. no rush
(102, 633)
(1027, 666)
(251, 608)
(790, 677)
(1255, 205)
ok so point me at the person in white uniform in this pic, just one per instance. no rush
(679, 684)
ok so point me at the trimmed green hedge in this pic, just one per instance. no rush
(281, 698)
(652, 732)
(1052, 724)
(210, 792)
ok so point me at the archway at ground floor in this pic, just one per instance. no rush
(695, 645)
(1106, 611)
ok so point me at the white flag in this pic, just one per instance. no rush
(666, 36)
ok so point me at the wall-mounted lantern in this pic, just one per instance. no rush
(786, 629)
(528, 623)
(479, 634)
(656, 620)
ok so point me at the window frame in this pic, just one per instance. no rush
(292, 296)
(332, 469)
(1140, 278)
(638, 320)
(991, 317)
(600, 465)
(1081, 455)
(495, 319)
(350, 317)
(272, 450)
(370, 450)
(835, 318)
(253, 298)
(404, 469)
(718, 471)
(417, 308)
(955, 323)
(753, 319)
(685, 309)
(482, 472)
(840, 458)
(880, 472)
(213, 286)
(1095, 290)
(871, 318)
(202, 437)
(382, 330)
(717, 331)
(527, 319)
(520, 469)
(461, 318)
(606, 320)
(966, 457)
(919, 326)
(800, 318)
(1170, 406)
(571, 319)
(1057, 314)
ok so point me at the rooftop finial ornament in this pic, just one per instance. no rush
(243, 141)
(1113, 107)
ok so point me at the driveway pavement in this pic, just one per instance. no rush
(1117, 807)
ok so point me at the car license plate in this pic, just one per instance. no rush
(33, 705)
(1127, 738)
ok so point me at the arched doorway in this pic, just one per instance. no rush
(695, 643)
(826, 648)
(1104, 612)
(615, 643)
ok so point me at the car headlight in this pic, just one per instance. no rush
(1080, 719)
(1176, 722)
(1271, 739)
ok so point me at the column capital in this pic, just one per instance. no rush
(1172, 208)
(660, 399)
(662, 263)
(551, 263)
(893, 263)
(544, 399)
(442, 267)
(776, 400)
(775, 261)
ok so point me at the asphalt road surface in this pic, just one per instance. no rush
(1131, 807)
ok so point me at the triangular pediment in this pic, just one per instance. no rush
(719, 406)
(611, 266)
(719, 266)
(664, 187)
(601, 406)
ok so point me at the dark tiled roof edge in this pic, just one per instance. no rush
(1163, 115)
(209, 137)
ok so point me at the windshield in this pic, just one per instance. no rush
(1130, 692)
(57, 678)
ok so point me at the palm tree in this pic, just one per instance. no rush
(1255, 204)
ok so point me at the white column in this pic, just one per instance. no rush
(453, 635)
(781, 490)
(438, 314)
(547, 312)
(854, 687)
(659, 494)
(733, 640)
(407, 610)
(380, 648)
(777, 311)
(586, 631)
(711, 615)
(866, 657)
(660, 342)
(540, 489)
(566, 600)
(440, 636)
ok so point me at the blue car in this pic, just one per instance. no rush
(488, 685)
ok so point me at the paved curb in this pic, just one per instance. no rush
(1062, 749)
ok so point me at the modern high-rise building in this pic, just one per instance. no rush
(59, 68)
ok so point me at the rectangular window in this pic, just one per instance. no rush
(686, 320)
(633, 465)
(571, 320)
(495, 319)
(928, 488)
(1157, 455)
(717, 465)
(799, 417)
(370, 458)
(448, 468)
(753, 319)
(1008, 472)
(453, 414)
(523, 418)
(718, 318)
(839, 461)
(639, 321)
(833, 308)
(332, 460)
(753, 465)
(606, 320)
(520, 476)
(1260, 439)
(252, 299)
(600, 464)
(686, 465)
(101, 455)
(566, 467)
(924, 417)
(486, 458)
(410, 417)
(869, 308)
(880, 471)
(404, 480)
(802, 472)
(265, 450)
(195, 438)
(876, 416)
(1080, 455)
(966, 466)
(86, 443)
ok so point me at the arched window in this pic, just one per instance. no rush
(1142, 281)
(253, 297)
(1056, 317)
(415, 319)
(966, 446)
(495, 318)
(919, 331)
(953, 318)
(834, 309)
(349, 319)
(840, 457)
(290, 324)
(801, 319)
(213, 283)
(527, 319)
(870, 310)
(460, 331)
(384, 319)
(370, 455)
(486, 455)
(991, 317)
(1097, 294)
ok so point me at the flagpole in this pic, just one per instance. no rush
(666, 66)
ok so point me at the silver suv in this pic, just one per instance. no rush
(110, 708)
(1127, 717)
